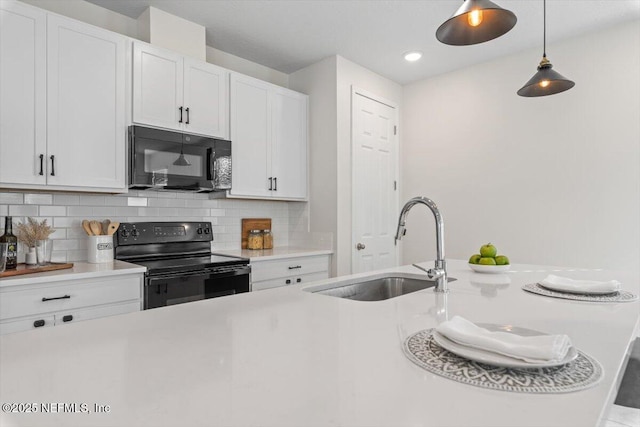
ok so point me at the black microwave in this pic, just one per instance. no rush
(166, 160)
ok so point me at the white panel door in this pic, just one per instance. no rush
(157, 87)
(206, 99)
(289, 144)
(85, 105)
(374, 196)
(23, 74)
(250, 137)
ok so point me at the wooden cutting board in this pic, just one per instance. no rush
(253, 224)
(29, 269)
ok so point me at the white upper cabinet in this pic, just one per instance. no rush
(85, 105)
(62, 116)
(269, 140)
(23, 79)
(175, 92)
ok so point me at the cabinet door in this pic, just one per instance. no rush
(157, 87)
(289, 144)
(23, 93)
(250, 136)
(85, 105)
(206, 99)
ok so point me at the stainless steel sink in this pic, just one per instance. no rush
(376, 289)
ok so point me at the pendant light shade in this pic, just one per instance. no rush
(181, 160)
(546, 81)
(476, 21)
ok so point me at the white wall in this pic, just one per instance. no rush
(552, 180)
(328, 84)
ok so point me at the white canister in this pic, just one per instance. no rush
(100, 249)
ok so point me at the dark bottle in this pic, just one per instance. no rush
(12, 250)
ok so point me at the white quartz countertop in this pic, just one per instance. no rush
(80, 270)
(286, 357)
(275, 253)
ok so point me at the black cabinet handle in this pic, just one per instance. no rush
(180, 121)
(41, 164)
(53, 171)
(295, 267)
(38, 323)
(275, 184)
(298, 280)
(67, 318)
(187, 110)
(270, 184)
(288, 282)
(51, 299)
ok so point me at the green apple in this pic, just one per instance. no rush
(502, 260)
(488, 251)
(487, 261)
(474, 259)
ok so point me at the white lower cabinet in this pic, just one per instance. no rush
(288, 271)
(44, 305)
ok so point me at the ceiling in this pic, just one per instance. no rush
(288, 35)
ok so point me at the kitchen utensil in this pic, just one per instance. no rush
(96, 228)
(87, 227)
(113, 226)
(105, 226)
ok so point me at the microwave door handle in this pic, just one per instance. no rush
(210, 164)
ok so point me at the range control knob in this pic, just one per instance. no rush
(199, 230)
(207, 231)
(135, 233)
(124, 233)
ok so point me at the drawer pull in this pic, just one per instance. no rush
(51, 299)
(295, 267)
(67, 318)
(288, 282)
(298, 280)
(38, 323)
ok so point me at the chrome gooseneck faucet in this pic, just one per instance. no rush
(439, 272)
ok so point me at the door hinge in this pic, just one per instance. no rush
(395, 129)
(395, 185)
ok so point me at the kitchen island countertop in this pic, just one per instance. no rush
(287, 357)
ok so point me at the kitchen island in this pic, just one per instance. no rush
(288, 357)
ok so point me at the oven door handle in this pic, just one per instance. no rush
(169, 276)
(222, 272)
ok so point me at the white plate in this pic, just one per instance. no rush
(490, 269)
(563, 290)
(495, 359)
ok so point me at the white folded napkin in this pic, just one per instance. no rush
(565, 284)
(536, 349)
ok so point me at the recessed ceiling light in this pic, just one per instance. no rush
(412, 56)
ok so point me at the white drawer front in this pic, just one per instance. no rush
(267, 270)
(26, 324)
(275, 283)
(69, 295)
(73, 316)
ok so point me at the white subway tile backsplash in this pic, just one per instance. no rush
(137, 201)
(38, 199)
(23, 210)
(65, 213)
(53, 210)
(65, 199)
(11, 198)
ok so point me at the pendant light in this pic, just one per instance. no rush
(546, 81)
(476, 21)
(181, 160)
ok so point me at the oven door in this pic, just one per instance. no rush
(179, 288)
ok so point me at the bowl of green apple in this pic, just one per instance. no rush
(488, 261)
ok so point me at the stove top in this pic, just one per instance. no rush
(170, 247)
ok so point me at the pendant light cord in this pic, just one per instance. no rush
(544, 29)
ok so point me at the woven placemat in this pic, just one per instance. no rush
(620, 296)
(582, 373)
